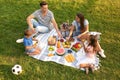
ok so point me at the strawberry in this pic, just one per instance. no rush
(76, 46)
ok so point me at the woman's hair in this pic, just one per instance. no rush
(81, 17)
(93, 42)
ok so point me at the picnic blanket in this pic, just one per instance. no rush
(43, 56)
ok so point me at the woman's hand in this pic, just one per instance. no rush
(67, 38)
(78, 37)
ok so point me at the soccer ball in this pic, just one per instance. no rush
(16, 69)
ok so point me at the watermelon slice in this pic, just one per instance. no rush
(60, 51)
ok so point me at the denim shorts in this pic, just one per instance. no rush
(30, 50)
(76, 33)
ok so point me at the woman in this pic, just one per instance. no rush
(80, 28)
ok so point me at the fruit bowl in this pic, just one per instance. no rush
(76, 47)
(60, 51)
(66, 44)
(62, 40)
(51, 48)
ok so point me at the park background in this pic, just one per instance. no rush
(103, 16)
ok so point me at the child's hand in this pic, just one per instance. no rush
(35, 45)
(35, 39)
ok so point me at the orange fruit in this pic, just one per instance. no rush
(50, 54)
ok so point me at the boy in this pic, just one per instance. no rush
(28, 43)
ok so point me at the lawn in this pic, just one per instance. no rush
(103, 16)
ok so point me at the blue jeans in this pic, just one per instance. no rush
(39, 27)
(76, 33)
(30, 50)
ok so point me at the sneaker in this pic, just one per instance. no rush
(102, 53)
(86, 70)
(19, 40)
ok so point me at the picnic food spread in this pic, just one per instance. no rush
(63, 48)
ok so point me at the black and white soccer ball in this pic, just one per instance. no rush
(16, 69)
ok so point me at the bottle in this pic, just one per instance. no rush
(58, 44)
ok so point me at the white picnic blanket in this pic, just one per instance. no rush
(58, 59)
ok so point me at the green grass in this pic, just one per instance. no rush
(103, 16)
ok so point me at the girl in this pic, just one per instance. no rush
(91, 49)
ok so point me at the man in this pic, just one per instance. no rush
(44, 19)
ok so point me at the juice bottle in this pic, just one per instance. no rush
(58, 44)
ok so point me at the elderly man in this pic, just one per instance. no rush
(42, 20)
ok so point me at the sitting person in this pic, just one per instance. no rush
(28, 43)
(80, 28)
(88, 61)
(42, 19)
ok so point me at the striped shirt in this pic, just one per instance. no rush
(46, 20)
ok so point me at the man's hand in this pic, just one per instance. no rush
(33, 30)
(29, 18)
(56, 27)
(59, 34)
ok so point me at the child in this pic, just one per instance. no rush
(91, 49)
(28, 43)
